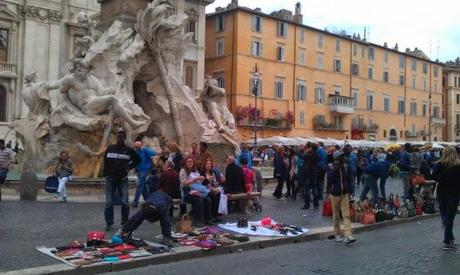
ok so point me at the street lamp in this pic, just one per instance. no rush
(255, 86)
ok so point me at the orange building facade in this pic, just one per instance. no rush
(318, 84)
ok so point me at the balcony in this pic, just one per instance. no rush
(319, 123)
(438, 122)
(424, 133)
(411, 134)
(7, 69)
(341, 104)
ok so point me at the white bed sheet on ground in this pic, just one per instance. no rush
(261, 231)
(47, 251)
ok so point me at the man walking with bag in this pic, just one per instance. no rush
(118, 160)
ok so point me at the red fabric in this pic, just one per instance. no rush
(124, 247)
(124, 257)
(248, 179)
(95, 236)
(327, 209)
(418, 211)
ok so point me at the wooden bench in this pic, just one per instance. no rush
(232, 197)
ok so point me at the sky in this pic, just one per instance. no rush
(432, 26)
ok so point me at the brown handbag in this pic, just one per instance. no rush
(417, 179)
(185, 224)
(368, 217)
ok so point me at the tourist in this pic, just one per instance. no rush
(169, 181)
(322, 154)
(352, 160)
(280, 172)
(404, 165)
(195, 153)
(248, 176)
(244, 154)
(204, 154)
(375, 171)
(155, 208)
(175, 156)
(310, 171)
(299, 173)
(194, 192)
(213, 181)
(6, 158)
(142, 170)
(63, 172)
(118, 160)
(338, 186)
(234, 178)
(447, 173)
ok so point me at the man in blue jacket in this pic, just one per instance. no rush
(322, 154)
(374, 171)
(404, 165)
(244, 154)
(143, 168)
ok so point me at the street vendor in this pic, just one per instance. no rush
(155, 208)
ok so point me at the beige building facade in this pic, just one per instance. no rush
(451, 89)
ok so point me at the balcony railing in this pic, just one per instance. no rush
(411, 134)
(438, 122)
(341, 104)
(319, 123)
(7, 69)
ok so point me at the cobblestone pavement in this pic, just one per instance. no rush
(412, 248)
(25, 225)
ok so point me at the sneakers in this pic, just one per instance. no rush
(339, 238)
(63, 200)
(449, 247)
(349, 240)
(56, 195)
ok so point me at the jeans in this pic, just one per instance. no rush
(370, 183)
(61, 188)
(152, 215)
(201, 208)
(112, 186)
(406, 183)
(279, 187)
(341, 203)
(448, 204)
(141, 187)
(310, 183)
(321, 175)
(215, 199)
(382, 189)
(3, 174)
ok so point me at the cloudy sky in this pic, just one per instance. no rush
(432, 26)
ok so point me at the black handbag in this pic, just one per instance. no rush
(380, 215)
(428, 207)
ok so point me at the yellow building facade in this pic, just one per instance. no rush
(451, 87)
(320, 84)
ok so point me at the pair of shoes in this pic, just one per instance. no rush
(108, 228)
(277, 196)
(339, 238)
(349, 239)
(287, 195)
(134, 205)
(56, 195)
(63, 200)
(449, 247)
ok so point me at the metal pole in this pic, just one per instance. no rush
(255, 117)
(429, 118)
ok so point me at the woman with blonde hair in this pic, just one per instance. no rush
(175, 156)
(447, 174)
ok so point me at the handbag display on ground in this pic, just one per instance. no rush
(184, 225)
(368, 217)
(358, 213)
(327, 208)
(417, 179)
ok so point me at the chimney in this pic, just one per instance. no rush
(365, 32)
(258, 9)
(407, 50)
(416, 49)
(298, 17)
(385, 44)
(396, 46)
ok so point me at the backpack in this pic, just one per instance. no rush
(51, 184)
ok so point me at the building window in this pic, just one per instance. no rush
(384, 133)
(320, 95)
(220, 80)
(257, 48)
(435, 71)
(425, 68)
(355, 49)
(320, 61)
(337, 90)
(413, 83)
(302, 36)
(458, 98)
(220, 23)
(402, 62)
(354, 95)
(3, 46)
(301, 91)
(413, 108)
(435, 87)
(370, 73)
(363, 52)
(279, 89)
(320, 41)
(302, 118)
(385, 56)
(370, 54)
(2, 104)
(370, 101)
(220, 47)
(302, 56)
(401, 106)
(282, 29)
(259, 87)
(280, 53)
(385, 76)
(436, 113)
(337, 65)
(424, 109)
(355, 69)
(414, 66)
(424, 84)
(189, 76)
(191, 27)
(401, 80)
(386, 104)
(337, 45)
(457, 121)
(257, 23)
